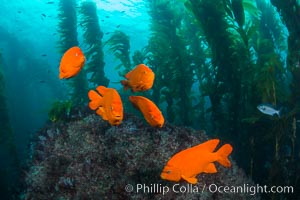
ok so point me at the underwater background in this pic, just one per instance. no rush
(214, 62)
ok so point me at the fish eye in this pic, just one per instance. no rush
(111, 108)
(169, 172)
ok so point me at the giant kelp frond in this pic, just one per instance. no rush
(93, 38)
(67, 29)
(159, 8)
(89, 23)
(242, 11)
(273, 25)
(211, 15)
(139, 56)
(67, 25)
(160, 49)
(168, 57)
(119, 44)
(238, 11)
(289, 11)
(251, 10)
(219, 32)
(224, 78)
(270, 69)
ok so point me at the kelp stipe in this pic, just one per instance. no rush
(198, 53)
(229, 58)
(67, 29)
(248, 69)
(289, 11)
(139, 56)
(120, 46)
(270, 75)
(170, 62)
(93, 38)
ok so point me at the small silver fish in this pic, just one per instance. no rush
(268, 109)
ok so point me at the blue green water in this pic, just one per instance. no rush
(29, 46)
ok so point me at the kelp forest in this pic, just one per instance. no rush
(214, 61)
(93, 75)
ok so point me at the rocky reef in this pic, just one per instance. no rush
(89, 159)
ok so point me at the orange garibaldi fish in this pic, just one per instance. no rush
(71, 63)
(188, 163)
(141, 78)
(107, 103)
(150, 111)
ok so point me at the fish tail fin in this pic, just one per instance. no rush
(62, 75)
(101, 89)
(133, 101)
(125, 84)
(95, 98)
(223, 154)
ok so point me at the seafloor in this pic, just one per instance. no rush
(86, 158)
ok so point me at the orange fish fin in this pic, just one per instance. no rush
(102, 90)
(61, 75)
(65, 74)
(128, 74)
(191, 180)
(96, 99)
(209, 145)
(223, 154)
(125, 84)
(102, 113)
(140, 86)
(211, 168)
(134, 104)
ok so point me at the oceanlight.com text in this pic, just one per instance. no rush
(250, 189)
(212, 188)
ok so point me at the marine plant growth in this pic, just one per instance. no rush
(246, 40)
(67, 29)
(93, 73)
(289, 11)
(234, 52)
(167, 56)
(60, 111)
(93, 39)
(120, 46)
(236, 57)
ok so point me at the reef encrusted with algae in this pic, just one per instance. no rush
(89, 159)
